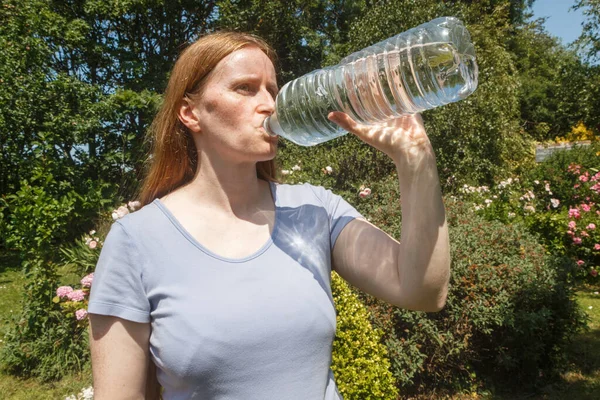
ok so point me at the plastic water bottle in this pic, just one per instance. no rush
(425, 67)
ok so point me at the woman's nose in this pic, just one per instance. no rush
(267, 102)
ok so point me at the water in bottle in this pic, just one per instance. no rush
(422, 68)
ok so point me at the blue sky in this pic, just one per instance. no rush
(561, 22)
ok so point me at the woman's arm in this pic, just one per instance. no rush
(414, 272)
(120, 359)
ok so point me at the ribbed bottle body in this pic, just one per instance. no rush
(423, 68)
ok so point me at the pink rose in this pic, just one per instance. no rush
(572, 225)
(585, 207)
(585, 234)
(64, 291)
(574, 213)
(92, 244)
(580, 262)
(81, 314)
(594, 273)
(365, 193)
(583, 178)
(591, 227)
(76, 295)
(577, 240)
(86, 281)
(570, 233)
(597, 246)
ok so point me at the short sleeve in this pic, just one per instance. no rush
(340, 212)
(117, 288)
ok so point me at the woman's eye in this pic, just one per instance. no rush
(244, 88)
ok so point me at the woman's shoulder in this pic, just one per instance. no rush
(302, 193)
(140, 219)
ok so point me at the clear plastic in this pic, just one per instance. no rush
(425, 67)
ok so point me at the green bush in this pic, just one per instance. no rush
(359, 362)
(41, 340)
(510, 309)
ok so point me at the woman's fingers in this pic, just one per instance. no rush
(344, 121)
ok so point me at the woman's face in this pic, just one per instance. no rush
(237, 97)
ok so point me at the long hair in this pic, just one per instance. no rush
(173, 158)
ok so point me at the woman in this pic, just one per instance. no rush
(221, 282)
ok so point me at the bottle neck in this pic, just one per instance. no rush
(271, 125)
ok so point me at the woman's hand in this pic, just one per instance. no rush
(403, 139)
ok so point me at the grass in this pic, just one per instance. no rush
(581, 382)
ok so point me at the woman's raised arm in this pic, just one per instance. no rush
(414, 272)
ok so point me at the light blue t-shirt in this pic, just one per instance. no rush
(256, 328)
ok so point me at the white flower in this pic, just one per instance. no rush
(529, 209)
(596, 293)
(71, 397)
(296, 168)
(285, 172)
(88, 393)
(536, 182)
(555, 202)
(590, 307)
(547, 187)
(511, 215)
(115, 216)
(328, 169)
(92, 232)
(134, 205)
(122, 211)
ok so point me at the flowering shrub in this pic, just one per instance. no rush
(565, 218)
(508, 316)
(74, 302)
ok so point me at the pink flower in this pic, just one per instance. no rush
(591, 227)
(365, 193)
(586, 207)
(570, 233)
(577, 240)
(92, 244)
(572, 225)
(597, 246)
(583, 178)
(64, 291)
(86, 281)
(574, 213)
(596, 188)
(594, 273)
(580, 262)
(584, 233)
(80, 314)
(76, 295)
(575, 186)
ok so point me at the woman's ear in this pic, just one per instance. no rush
(188, 117)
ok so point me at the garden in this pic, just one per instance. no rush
(81, 80)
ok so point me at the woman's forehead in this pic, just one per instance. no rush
(246, 61)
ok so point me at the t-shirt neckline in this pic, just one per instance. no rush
(191, 239)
